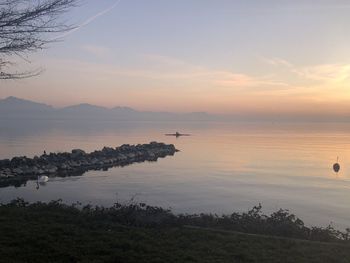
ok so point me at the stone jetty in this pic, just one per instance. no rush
(78, 161)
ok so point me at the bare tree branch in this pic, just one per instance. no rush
(25, 27)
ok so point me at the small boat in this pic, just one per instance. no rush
(177, 134)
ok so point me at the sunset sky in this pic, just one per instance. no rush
(226, 56)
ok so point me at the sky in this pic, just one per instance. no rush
(270, 57)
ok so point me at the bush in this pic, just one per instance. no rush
(280, 223)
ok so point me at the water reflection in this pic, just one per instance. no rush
(224, 167)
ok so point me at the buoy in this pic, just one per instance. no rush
(336, 166)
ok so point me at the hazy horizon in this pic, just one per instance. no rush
(229, 57)
(21, 108)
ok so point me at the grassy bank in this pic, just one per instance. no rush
(137, 233)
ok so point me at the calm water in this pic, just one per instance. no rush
(223, 167)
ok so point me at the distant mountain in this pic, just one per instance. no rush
(83, 111)
(15, 108)
(124, 110)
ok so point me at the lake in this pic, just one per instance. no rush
(221, 168)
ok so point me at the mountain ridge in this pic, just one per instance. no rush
(18, 108)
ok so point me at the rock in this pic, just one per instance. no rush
(63, 166)
(121, 157)
(108, 150)
(51, 169)
(79, 160)
(5, 163)
(78, 153)
(17, 171)
(124, 147)
(151, 156)
(94, 161)
(106, 161)
(27, 170)
(131, 155)
(35, 170)
(74, 164)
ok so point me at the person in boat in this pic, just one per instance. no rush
(177, 134)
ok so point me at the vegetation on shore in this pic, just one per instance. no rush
(55, 232)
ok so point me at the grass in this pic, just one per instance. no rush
(58, 233)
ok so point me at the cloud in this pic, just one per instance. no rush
(171, 82)
(277, 62)
(98, 51)
(165, 60)
(334, 73)
(217, 77)
(166, 72)
(229, 79)
(315, 82)
(325, 73)
(158, 74)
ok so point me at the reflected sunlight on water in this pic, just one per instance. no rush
(222, 168)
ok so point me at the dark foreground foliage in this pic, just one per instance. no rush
(280, 223)
(55, 232)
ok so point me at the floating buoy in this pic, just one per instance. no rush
(336, 166)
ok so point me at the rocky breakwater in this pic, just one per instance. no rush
(79, 161)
